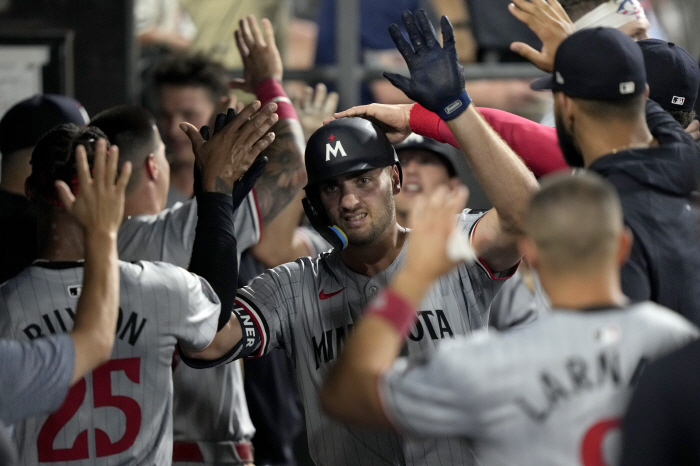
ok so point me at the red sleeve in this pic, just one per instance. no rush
(536, 144)
(426, 123)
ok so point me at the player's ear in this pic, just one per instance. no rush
(568, 110)
(624, 245)
(152, 167)
(395, 179)
(528, 249)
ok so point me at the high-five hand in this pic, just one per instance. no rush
(228, 154)
(437, 77)
(99, 204)
(261, 59)
(549, 22)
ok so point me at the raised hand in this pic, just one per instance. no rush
(551, 24)
(435, 220)
(261, 59)
(99, 203)
(231, 151)
(392, 119)
(314, 107)
(437, 77)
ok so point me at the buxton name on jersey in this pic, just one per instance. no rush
(120, 413)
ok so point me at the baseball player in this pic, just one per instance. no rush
(426, 164)
(35, 376)
(121, 411)
(550, 393)
(218, 391)
(308, 307)
(20, 128)
(211, 420)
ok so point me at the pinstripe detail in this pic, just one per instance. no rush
(255, 213)
(292, 317)
(170, 303)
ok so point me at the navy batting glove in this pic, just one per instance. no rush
(242, 186)
(222, 119)
(437, 77)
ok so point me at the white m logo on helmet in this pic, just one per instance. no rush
(334, 150)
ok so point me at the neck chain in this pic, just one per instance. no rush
(634, 145)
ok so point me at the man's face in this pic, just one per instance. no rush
(637, 29)
(361, 204)
(177, 104)
(423, 173)
(567, 144)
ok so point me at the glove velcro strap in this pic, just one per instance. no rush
(455, 106)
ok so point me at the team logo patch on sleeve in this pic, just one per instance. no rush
(255, 332)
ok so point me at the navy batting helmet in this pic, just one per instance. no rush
(341, 147)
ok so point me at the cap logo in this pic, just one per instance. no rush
(627, 87)
(334, 150)
(678, 100)
(559, 78)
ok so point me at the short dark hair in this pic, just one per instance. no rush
(684, 117)
(574, 220)
(195, 70)
(53, 158)
(130, 128)
(577, 8)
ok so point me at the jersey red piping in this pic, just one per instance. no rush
(256, 214)
(481, 261)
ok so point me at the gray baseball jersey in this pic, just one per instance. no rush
(515, 299)
(308, 308)
(550, 393)
(121, 412)
(313, 240)
(34, 376)
(209, 404)
(169, 235)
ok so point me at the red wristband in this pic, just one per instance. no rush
(393, 308)
(424, 122)
(270, 90)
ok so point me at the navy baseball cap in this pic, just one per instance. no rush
(24, 123)
(597, 64)
(673, 75)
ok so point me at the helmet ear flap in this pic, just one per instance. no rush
(321, 222)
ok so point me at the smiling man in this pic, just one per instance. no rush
(426, 164)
